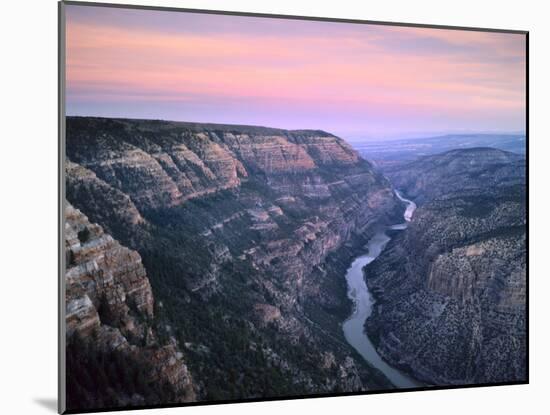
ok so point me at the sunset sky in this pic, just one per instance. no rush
(353, 80)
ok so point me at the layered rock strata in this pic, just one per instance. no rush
(451, 290)
(245, 233)
(110, 312)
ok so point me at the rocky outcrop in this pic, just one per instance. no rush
(451, 290)
(245, 233)
(110, 312)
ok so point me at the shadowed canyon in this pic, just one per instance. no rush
(211, 262)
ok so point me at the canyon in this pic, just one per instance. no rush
(244, 233)
(211, 259)
(451, 291)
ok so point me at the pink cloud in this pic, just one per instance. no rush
(360, 70)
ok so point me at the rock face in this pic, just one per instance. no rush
(163, 164)
(245, 234)
(450, 291)
(109, 314)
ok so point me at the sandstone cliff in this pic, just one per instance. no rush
(450, 291)
(245, 233)
(109, 320)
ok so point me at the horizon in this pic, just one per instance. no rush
(294, 74)
(353, 139)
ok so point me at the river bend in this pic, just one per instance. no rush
(363, 302)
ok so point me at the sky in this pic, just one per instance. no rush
(354, 80)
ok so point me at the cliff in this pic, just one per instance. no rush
(450, 291)
(163, 164)
(110, 330)
(245, 234)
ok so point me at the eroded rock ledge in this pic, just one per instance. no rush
(109, 315)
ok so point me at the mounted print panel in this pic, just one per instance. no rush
(261, 207)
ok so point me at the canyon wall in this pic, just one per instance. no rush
(245, 234)
(110, 326)
(451, 290)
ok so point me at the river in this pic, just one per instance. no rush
(359, 293)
